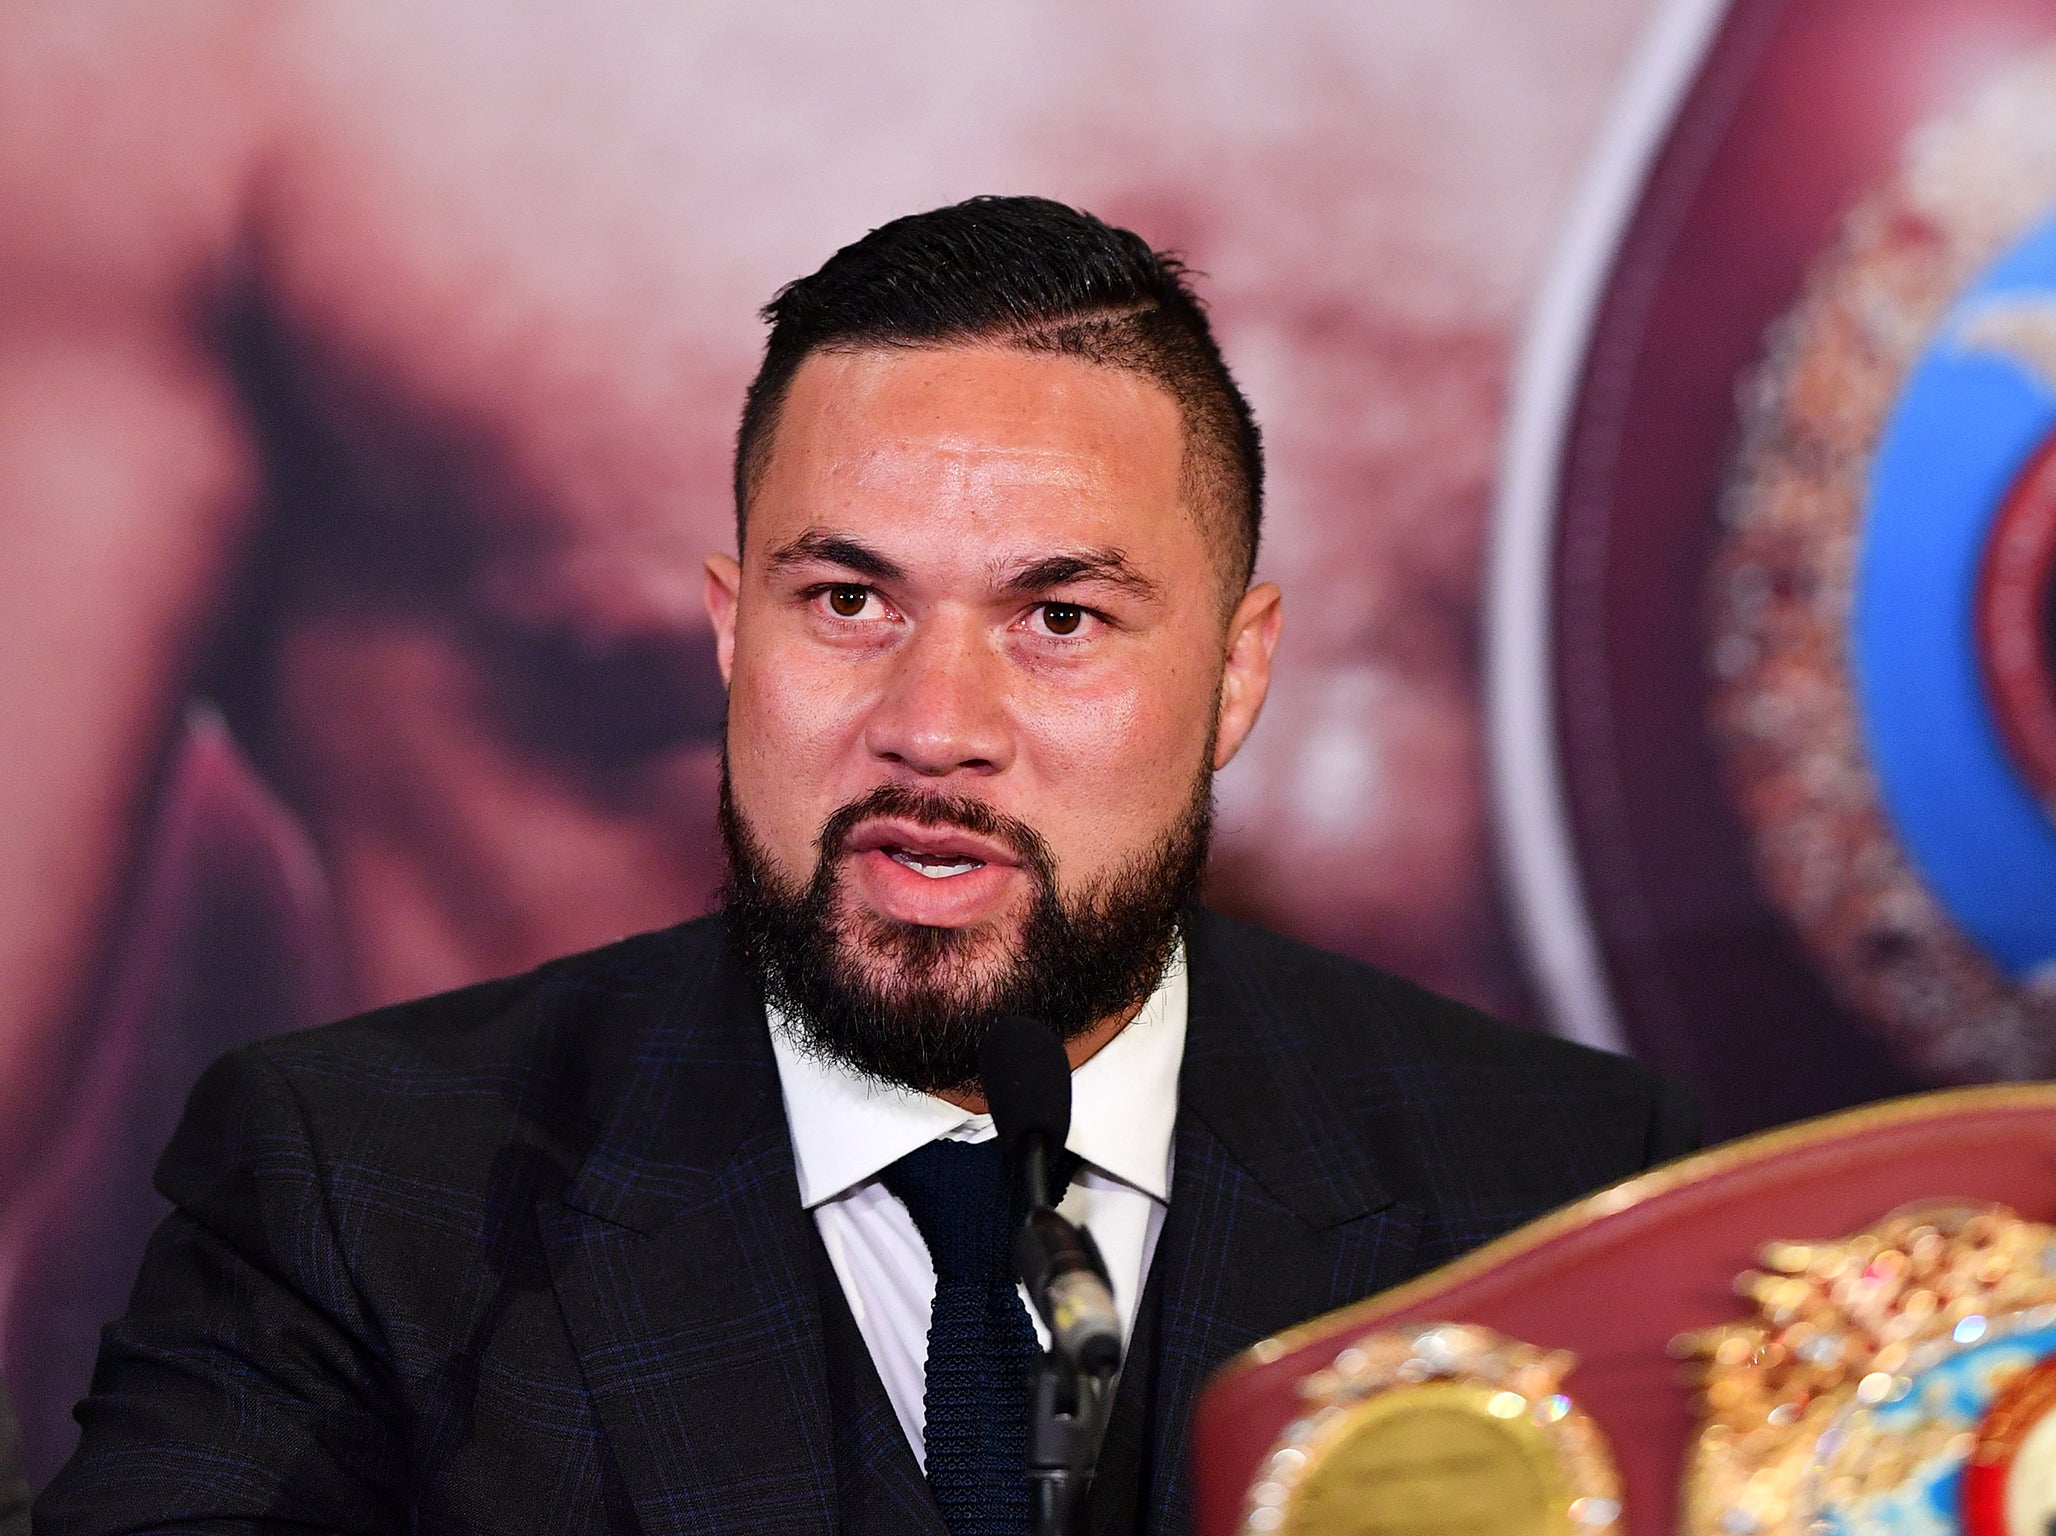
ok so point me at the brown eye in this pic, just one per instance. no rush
(847, 602)
(1062, 618)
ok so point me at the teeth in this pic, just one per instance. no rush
(935, 866)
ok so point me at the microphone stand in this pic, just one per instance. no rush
(1028, 1087)
(1067, 1405)
(1066, 1415)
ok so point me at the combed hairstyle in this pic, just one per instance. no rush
(1032, 274)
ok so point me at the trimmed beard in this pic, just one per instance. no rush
(910, 1004)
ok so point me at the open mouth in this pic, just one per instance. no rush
(933, 852)
(936, 866)
(966, 877)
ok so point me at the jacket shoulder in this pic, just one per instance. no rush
(536, 1058)
(1343, 1006)
(496, 1018)
(1485, 1122)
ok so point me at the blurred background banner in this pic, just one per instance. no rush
(368, 374)
(1773, 629)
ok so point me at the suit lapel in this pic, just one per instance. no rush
(1277, 1214)
(684, 1269)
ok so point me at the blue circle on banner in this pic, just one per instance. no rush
(1971, 416)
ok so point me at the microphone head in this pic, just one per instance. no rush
(1027, 1083)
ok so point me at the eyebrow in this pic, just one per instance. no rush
(1107, 566)
(814, 547)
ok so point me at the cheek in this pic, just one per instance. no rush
(791, 732)
(1114, 761)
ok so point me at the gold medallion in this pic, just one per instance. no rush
(1433, 1432)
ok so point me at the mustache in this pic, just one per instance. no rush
(928, 808)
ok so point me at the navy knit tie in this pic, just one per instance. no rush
(980, 1341)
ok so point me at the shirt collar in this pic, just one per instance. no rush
(847, 1128)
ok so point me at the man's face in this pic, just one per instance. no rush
(976, 616)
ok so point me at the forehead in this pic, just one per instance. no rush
(988, 444)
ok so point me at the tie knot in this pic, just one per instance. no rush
(957, 1192)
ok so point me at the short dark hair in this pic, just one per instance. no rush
(1029, 273)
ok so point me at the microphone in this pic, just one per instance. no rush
(1027, 1082)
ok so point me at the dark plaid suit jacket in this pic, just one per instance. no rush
(531, 1257)
(14, 1492)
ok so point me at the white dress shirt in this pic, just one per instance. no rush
(847, 1128)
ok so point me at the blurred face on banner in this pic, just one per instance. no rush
(406, 371)
(979, 683)
(368, 379)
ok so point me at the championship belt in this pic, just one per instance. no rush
(1895, 1381)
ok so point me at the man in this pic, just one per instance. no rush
(694, 1232)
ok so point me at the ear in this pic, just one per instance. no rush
(724, 591)
(1246, 672)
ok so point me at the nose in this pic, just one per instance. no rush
(943, 708)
